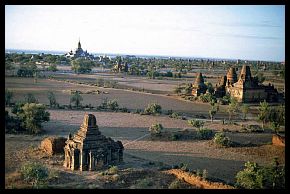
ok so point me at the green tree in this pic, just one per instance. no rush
(76, 98)
(263, 112)
(233, 107)
(259, 177)
(32, 115)
(196, 123)
(213, 110)
(245, 110)
(52, 67)
(156, 129)
(81, 65)
(51, 98)
(277, 117)
(30, 98)
(34, 173)
(8, 97)
(153, 108)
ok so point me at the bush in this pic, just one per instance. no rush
(195, 123)
(221, 140)
(156, 129)
(176, 184)
(174, 137)
(113, 170)
(109, 104)
(174, 115)
(110, 84)
(34, 173)
(8, 97)
(29, 98)
(113, 104)
(257, 177)
(100, 82)
(153, 108)
(144, 183)
(204, 174)
(31, 116)
(204, 133)
(51, 98)
(206, 97)
(76, 98)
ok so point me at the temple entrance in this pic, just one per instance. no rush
(77, 159)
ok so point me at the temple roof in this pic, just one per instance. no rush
(232, 74)
(245, 74)
(199, 79)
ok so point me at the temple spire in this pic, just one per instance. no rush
(79, 44)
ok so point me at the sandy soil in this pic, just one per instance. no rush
(221, 163)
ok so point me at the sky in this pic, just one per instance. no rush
(254, 32)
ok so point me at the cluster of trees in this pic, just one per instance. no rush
(23, 58)
(29, 117)
(261, 177)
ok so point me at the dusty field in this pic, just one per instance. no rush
(129, 99)
(221, 163)
(132, 129)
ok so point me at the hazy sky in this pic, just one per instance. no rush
(244, 32)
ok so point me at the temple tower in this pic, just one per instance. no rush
(89, 150)
(231, 76)
(199, 87)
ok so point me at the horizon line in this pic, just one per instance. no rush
(104, 53)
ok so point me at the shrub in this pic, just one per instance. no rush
(257, 177)
(51, 98)
(204, 174)
(169, 112)
(113, 170)
(76, 98)
(31, 116)
(174, 137)
(144, 183)
(206, 97)
(34, 173)
(113, 104)
(156, 129)
(110, 84)
(8, 97)
(100, 82)
(176, 184)
(195, 123)
(204, 133)
(153, 108)
(221, 140)
(29, 98)
(109, 104)
(12, 124)
(174, 115)
(138, 111)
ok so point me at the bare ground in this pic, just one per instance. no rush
(221, 163)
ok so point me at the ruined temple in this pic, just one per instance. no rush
(220, 89)
(89, 150)
(231, 76)
(198, 87)
(246, 89)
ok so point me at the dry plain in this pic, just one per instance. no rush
(221, 163)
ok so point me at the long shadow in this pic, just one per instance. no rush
(60, 128)
(218, 169)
